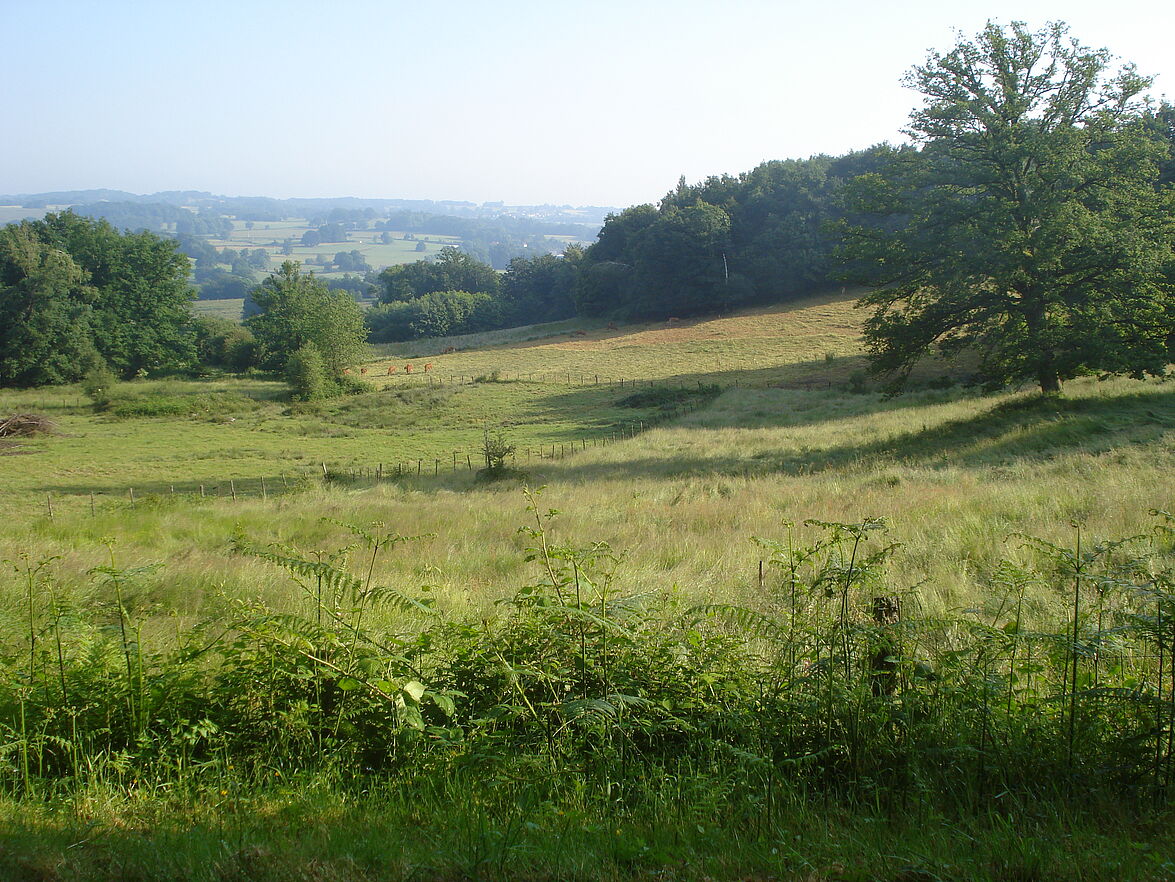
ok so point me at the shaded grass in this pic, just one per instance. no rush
(305, 831)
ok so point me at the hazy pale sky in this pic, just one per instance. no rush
(602, 102)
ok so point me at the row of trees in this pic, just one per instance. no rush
(79, 297)
(1030, 223)
(458, 294)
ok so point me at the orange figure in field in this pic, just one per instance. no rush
(428, 367)
(407, 368)
(391, 370)
(346, 371)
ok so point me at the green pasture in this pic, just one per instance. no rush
(811, 344)
(955, 473)
(227, 309)
(13, 213)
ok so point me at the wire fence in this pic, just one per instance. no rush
(400, 469)
(468, 460)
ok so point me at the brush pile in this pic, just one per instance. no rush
(23, 424)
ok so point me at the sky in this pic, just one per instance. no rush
(592, 103)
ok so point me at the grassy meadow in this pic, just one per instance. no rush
(954, 472)
(182, 512)
(230, 308)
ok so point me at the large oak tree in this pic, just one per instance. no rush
(1030, 227)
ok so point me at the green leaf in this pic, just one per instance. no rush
(414, 689)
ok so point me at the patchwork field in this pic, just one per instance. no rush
(270, 235)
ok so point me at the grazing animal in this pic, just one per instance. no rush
(391, 369)
(407, 368)
(363, 371)
(428, 367)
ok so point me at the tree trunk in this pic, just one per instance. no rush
(1046, 375)
(1046, 366)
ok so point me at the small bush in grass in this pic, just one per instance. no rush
(349, 384)
(306, 374)
(496, 450)
(666, 397)
(99, 384)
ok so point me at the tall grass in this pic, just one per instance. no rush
(602, 684)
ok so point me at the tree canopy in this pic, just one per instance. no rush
(294, 309)
(451, 270)
(1029, 229)
(45, 311)
(74, 289)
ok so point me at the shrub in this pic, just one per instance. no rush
(496, 450)
(306, 374)
(222, 343)
(99, 384)
(667, 398)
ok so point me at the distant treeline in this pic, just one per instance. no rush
(265, 209)
(493, 240)
(159, 216)
(763, 236)
(760, 237)
(457, 294)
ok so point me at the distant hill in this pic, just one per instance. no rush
(264, 208)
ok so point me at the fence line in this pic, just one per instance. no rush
(400, 469)
(578, 378)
